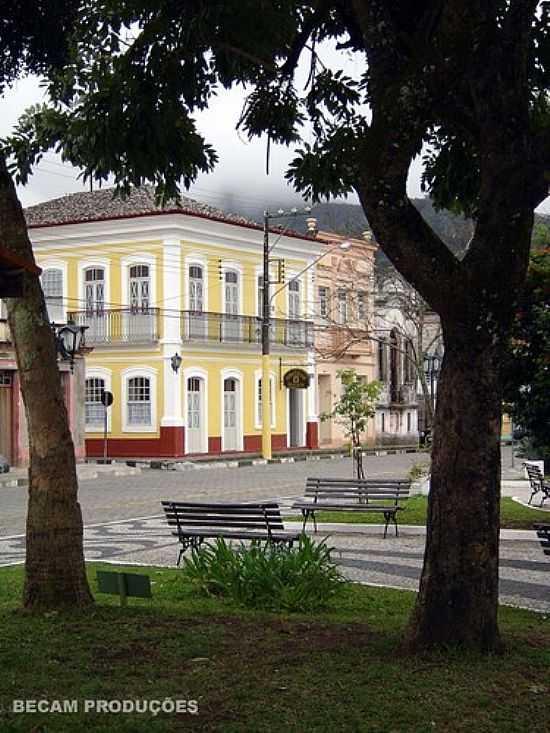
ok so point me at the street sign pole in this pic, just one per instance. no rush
(105, 408)
(106, 401)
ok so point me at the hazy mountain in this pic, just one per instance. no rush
(455, 231)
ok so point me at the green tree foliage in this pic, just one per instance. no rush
(469, 78)
(356, 405)
(527, 383)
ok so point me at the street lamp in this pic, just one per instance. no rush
(432, 365)
(69, 339)
(266, 308)
(175, 362)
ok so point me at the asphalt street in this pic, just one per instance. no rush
(109, 498)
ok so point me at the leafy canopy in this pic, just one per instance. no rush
(139, 70)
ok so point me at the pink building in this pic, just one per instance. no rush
(344, 317)
(14, 444)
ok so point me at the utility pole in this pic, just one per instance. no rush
(266, 320)
(266, 348)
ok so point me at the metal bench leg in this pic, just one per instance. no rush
(304, 515)
(387, 516)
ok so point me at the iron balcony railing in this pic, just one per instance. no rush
(118, 326)
(225, 328)
(129, 326)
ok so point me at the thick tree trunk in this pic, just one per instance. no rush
(457, 602)
(55, 571)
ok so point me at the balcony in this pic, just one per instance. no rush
(128, 326)
(118, 326)
(223, 328)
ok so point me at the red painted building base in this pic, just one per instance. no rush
(169, 444)
(312, 435)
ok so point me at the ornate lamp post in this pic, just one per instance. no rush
(432, 366)
(69, 340)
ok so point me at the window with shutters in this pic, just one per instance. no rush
(140, 288)
(94, 290)
(52, 286)
(196, 289)
(342, 306)
(94, 409)
(139, 401)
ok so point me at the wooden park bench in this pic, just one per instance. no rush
(538, 484)
(194, 523)
(543, 533)
(354, 495)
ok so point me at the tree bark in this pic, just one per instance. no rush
(458, 597)
(54, 567)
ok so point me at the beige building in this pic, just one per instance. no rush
(344, 309)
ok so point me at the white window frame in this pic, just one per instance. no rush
(138, 258)
(237, 375)
(293, 277)
(197, 261)
(106, 375)
(257, 380)
(98, 263)
(342, 316)
(151, 375)
(190, 373)
(53, 264)
(233, 266)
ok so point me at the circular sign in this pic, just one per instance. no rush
(106, 398)
(296, 379)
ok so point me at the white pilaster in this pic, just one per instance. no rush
(311, 392)
(171, 328)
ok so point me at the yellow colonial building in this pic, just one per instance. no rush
(171, 298)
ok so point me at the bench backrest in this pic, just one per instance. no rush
(543, 533)
(234, 517)
(365, 490)
(535, 475)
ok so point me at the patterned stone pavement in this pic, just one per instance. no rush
(362, 553)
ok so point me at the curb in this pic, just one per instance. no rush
(23, 482)
(238, 463)
(407, 530)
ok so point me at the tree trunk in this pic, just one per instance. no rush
(458, 597)
(55, 572)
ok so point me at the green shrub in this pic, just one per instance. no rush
(265, 576)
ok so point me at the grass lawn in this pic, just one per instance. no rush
(512, 515)
(340, 670)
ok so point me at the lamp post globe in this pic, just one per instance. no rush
(70, 339)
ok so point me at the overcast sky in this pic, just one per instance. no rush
(240, 175)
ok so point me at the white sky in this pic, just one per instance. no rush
(239, 176)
